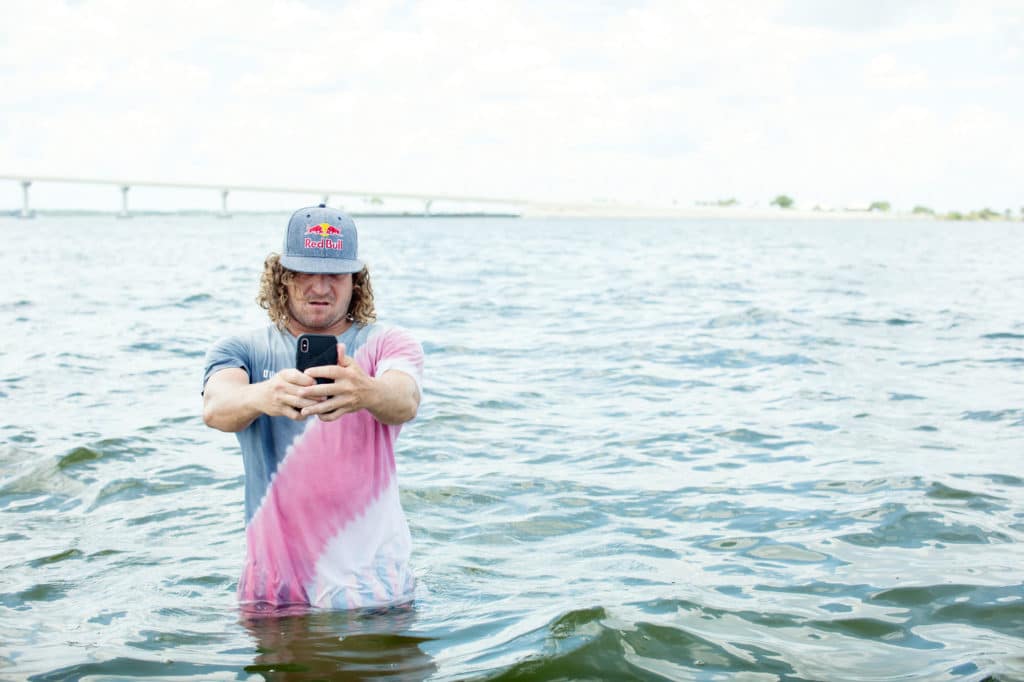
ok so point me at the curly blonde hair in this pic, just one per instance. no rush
(273, 295)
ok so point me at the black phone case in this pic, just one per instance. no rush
(323, 350)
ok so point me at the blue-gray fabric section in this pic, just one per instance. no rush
(262, 353)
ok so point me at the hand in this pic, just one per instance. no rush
(351, 390)
(283, 394)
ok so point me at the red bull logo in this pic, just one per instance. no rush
(324, 231)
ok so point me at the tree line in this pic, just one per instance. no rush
(785, 201)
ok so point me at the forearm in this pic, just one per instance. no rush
(232, 408)
(395, 398)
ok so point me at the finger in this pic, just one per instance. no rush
(326, 404)
(294, 376)
(333, 415)
(298, 402)
(343, 360)
(322, 372)
(293, 395)
(338, 405)
(320, 392)
(316, 409)
(293, 414)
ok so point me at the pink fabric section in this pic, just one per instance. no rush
(329, 477)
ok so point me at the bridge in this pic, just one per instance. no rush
(324, 193)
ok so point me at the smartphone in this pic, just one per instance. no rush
(316, 350)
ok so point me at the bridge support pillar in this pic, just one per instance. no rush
(26, 211)
(426, 206)
(224, 204)
(124, 203)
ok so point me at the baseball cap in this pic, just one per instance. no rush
(321, 240)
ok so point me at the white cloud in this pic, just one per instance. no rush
(650, 101)
(886, 72)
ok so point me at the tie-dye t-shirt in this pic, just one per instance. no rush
(324, 524)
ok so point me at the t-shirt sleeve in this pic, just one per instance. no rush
(227, 353)
(397, 349)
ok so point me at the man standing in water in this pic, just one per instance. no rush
(324, 525)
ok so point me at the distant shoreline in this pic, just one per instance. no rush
(597, 212)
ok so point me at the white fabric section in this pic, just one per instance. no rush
(403, 366)
(402, 361)
(368, 560)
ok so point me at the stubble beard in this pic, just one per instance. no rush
(310, 323)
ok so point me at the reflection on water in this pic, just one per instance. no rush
(299, 644)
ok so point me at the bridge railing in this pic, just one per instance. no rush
(225, 190)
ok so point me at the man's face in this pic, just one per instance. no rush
(317, 304)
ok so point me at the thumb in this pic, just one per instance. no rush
(343, 360)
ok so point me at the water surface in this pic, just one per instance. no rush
(694, 449)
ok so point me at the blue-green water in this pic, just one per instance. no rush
(695, 449)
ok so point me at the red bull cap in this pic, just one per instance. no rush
(321, 240)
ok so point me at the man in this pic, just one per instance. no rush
(324, 525)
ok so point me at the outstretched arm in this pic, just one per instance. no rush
(231, 403)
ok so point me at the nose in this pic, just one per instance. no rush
(320, 283)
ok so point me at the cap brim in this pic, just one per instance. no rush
(321, 266)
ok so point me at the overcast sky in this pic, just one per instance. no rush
(833, 102)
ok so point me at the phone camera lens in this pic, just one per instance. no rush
(305, 345)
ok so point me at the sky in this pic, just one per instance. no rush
(834, 103)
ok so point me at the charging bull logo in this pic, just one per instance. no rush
(324, 231)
